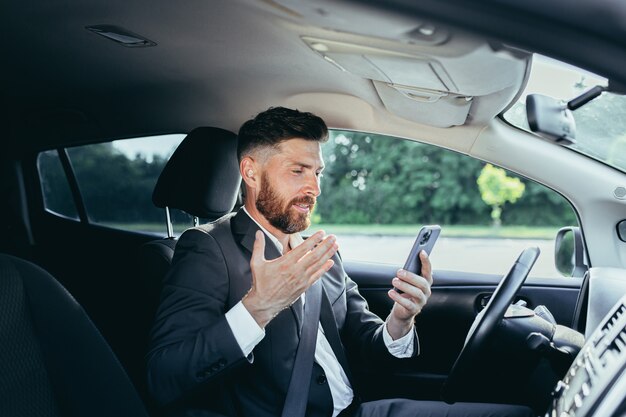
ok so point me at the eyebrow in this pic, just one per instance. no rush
(307, 166)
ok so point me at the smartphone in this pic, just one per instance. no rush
(425, 240)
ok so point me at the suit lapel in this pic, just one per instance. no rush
(245, 228)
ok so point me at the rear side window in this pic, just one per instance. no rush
(115, 180)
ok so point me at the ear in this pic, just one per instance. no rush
(248, 170)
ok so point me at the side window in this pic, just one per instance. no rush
(377, 191)
(116, 180)
(56, 191)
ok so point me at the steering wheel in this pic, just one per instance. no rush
(484, 325)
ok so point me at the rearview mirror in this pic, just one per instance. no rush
(569, 252)
(551, 119)
(621, 230)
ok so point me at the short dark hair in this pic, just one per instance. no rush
(276, 125)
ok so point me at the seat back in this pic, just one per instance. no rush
(53, 360)
(202, 179)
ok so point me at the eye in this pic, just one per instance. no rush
(296, 171)
(319, 174)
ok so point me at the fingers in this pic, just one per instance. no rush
(320, 272)
(314, 258)
(411, 305)
(427, 269)
(308, 245)
(258, 249)
(416, 291)
(411, 283)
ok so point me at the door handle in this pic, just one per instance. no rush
(483, 299)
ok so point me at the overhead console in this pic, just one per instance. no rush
(421, 71)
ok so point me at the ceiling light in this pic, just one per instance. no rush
(121, 36)
(320, 47)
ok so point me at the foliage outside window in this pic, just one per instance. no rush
(373, 179)
(497, 189)
(116, 180)
(377, 191)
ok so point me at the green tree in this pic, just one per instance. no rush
(496, 189)
(375, 179)
(116, 188)
(378, 179)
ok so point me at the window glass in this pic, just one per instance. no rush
(377, 191)
(57, 195)
(600, 124)
(116, 180)
(182, 221)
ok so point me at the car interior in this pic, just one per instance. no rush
(78, 295)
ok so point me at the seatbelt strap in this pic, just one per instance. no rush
(329, 324)
(298, 392)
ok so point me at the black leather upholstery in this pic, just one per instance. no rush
(202, 176)
(53, 360)
(154, 259)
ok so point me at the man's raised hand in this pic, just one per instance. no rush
(278, 283)
(415, 293)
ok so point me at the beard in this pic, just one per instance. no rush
(280, 214)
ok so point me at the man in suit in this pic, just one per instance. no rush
(227, 330)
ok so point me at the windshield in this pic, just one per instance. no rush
(600, 124)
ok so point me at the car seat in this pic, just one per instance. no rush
(53, 360)
(202, 179)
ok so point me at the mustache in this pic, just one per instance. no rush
(306, 199)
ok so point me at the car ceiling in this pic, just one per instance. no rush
(220, 62)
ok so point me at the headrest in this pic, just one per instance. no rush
(202, 176)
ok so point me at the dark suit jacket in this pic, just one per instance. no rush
(195, 362)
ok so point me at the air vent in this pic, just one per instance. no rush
(608, 330)
(598, 367)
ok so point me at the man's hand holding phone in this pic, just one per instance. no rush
(425, 241)
(411, 286)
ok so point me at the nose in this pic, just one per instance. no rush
(313, 186)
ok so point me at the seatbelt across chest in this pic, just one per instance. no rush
(298, 392)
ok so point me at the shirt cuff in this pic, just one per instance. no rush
(246, 330)
(401, 348)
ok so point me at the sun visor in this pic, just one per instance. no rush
(437, 90)
(412, 71)
(431, 107)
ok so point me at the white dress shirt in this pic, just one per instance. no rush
(248, 334)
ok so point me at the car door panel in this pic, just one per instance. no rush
(443, 324)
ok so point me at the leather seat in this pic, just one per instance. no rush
(202, 179)
(53, 360)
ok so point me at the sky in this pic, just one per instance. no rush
(149, 146)
(557, 79)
